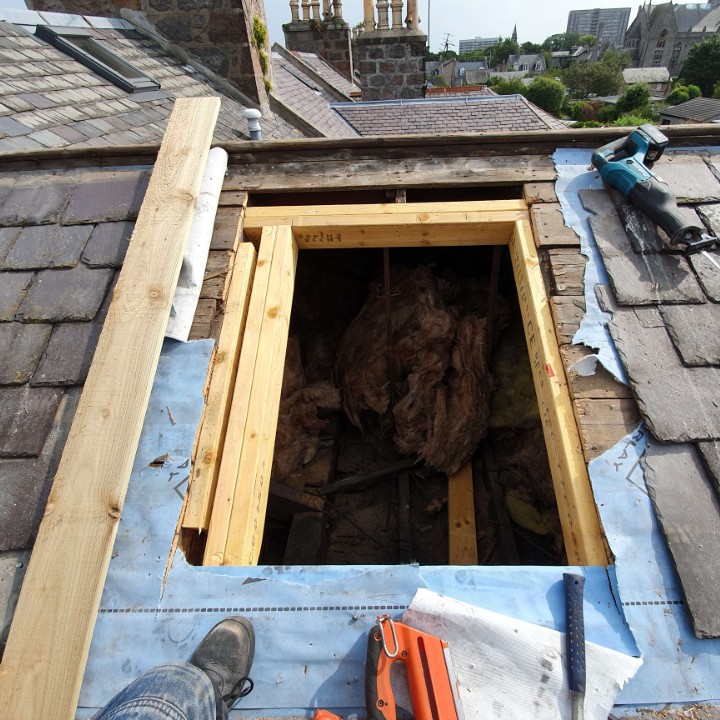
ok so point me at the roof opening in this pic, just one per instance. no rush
(82, 46)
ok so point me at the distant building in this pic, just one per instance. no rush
(697, 110)
(658, 78)
(534, 63)
(662, 35)
(607, 24)
(478, 43)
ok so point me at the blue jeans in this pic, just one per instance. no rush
(176, 691)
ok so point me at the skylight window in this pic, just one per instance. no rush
(82, 46)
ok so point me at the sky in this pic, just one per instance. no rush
(464, 19)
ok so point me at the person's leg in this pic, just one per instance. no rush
(176, 691)
(204, 688)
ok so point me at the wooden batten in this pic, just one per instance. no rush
(247, 518)
(462, 539)
(44, 660)
(224, 365)
(582, 532)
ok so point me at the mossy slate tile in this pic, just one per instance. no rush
(68, 355)
(108, 244)
(21, 347)
(65, 295)
(13, 289)
(114, 197)
(38, 204)
(26, 416)
(47, 246)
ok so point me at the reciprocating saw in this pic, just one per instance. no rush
(626, 164)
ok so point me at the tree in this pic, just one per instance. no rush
(587, 40)
(561, 41)
(635, 98)
(511, 86)
(504, 50)
(530, 48)
(547, 94)
(583, 79)
(619, 59)
(702, 66)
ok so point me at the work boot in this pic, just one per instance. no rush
(225, 655)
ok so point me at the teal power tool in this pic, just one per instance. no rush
(626, 164)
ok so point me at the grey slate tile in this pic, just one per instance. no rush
(21, 347)
(688, 509)
(708, 274)
(108, 244)
(12, 571)
(710, 454)
(695, 332)
(68, 355)
(64, 295)
(48, 246)
(7, 239)
(25, 484)
(110, 197)
(678, 403)
(37, 204)
(26, 415)
(11, 127)
(689, 177)
(637, 278)
(13, 289)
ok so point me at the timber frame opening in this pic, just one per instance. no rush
(233, 455)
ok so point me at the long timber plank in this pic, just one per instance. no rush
(462, 539)
(208, 448)
(42, 669)
(247, 518)
(219, 524)
(578, 514)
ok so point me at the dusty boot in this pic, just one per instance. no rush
(225, 655)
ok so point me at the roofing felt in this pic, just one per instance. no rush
(48, 99)
(698, 109)
(444, 116)
(308, 99)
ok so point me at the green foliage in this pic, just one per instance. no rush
(702, 66)
(262, 56)
(608, 113)
(583, 79)
(547, 94)
(693, 91)
(635, 97)
(618, 59)
(511, 86)
(501, 52)
(530, 48)
(678, 95)
(473, 56)
(268, 85)
(587, 40)
(561, 41)
(259, 33)
(438, 80)
(630, 121)
(585, 110)
(716, 90)
(586, 124)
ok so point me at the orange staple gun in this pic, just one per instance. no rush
(430, 673)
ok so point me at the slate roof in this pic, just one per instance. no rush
(666, 315)
(688, 15)
(322, 68)
(698, 109)
(709, 23)
(63, 238)
(308, 99)
(48, 99)
(444, 116)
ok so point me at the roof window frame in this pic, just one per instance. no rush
(97, 57)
